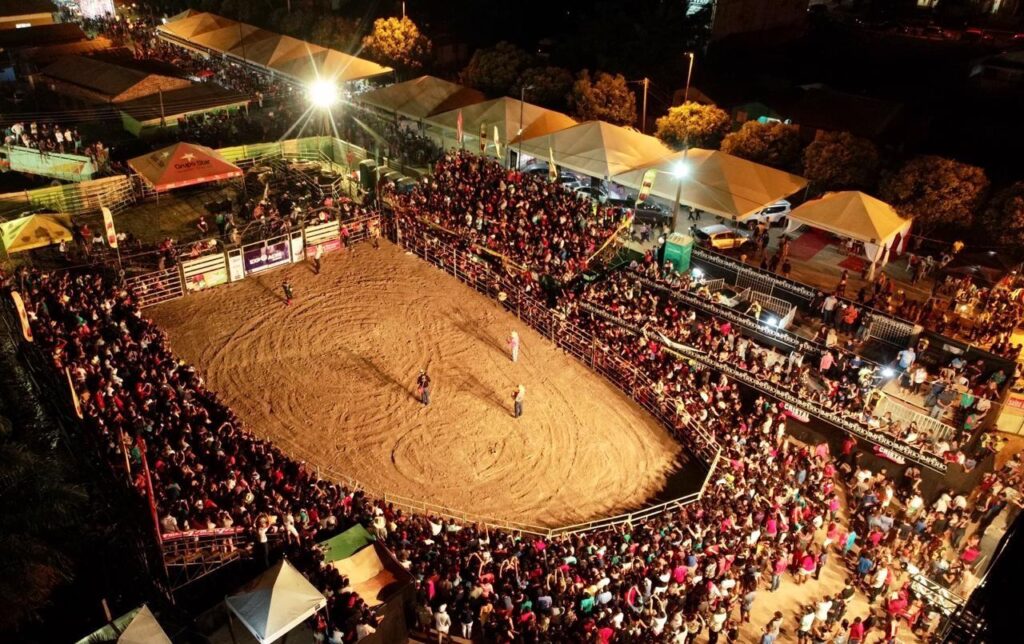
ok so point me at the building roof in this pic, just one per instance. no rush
(299, 60)
(39, 35)
(852, 214)
(104, 78)
(25, 7)
(49, 53)
(198, 97)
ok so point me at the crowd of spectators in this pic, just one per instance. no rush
(52, 138)
(530, 222)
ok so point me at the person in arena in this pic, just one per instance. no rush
(423, 387)
(513, 345)
(289, 294)
(518, 395)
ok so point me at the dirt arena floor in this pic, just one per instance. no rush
(331, 380)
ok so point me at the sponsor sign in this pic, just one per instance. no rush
(796, 413)
(888, 454)
(266, 255)
(330, 245)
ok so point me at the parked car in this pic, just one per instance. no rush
(570, 182)
(719, 237)
(772, 215)
(600, 195)
(648, 211)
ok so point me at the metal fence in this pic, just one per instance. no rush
(81, 198)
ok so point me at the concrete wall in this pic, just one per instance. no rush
(34, 19)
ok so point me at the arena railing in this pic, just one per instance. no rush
(843, 420)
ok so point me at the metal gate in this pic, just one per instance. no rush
(156, 287)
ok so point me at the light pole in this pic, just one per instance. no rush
(689, 74)
(519, 135)
(680, 171)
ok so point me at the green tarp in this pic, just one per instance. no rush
(346, 544)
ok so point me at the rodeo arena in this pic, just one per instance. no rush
(390, 361)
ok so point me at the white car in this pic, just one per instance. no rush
(600, 195)
(772, 215)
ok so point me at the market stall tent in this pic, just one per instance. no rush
(182, 164)
(137, 626)
(858, 216)
(34, 231)
(717, 183)
(275, 602)
(421, 97)
(595, 148)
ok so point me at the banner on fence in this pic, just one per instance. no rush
(74, 394)
(26, 329)
(266, 255)
(204, 272)
(325, 235)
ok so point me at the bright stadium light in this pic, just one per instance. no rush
(680, 170)
(887, 372)
(323, 93)
(697, 273)
(773, 321)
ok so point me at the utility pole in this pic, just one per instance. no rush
(163, 117)
(643, 122)
(689, 74)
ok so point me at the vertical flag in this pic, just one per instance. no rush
(26, 329)
(483, 137)
(74, 394)
(108, 227)
(497, 143)
(552, 168)
(458, 128)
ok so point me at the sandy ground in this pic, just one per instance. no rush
(331, 380)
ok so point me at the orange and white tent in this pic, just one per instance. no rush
(183, 164)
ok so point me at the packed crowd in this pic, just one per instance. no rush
(831, 378)
(530, 222)
(52, 138)
(774, 508)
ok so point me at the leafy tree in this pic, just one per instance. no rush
(603, 98)
(701, 126)
(495, 69)
(335, 32)
(39, 513)
(547, 86)
(397, 42)
(936, 191)
(1003, 219)
(840, 161)
(775, 144)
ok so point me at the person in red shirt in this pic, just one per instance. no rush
(856, 631)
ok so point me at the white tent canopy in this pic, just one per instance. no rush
(502, 113)
(718, 183)
(144, 629)
(858, 216)
(597, 149)
(275, 602)
(421, 97)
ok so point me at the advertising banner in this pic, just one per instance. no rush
(26, 328)
(108, 227)
(646, 185)
(265, 255)
(204, 272)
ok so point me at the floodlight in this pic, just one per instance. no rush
(323, 93)
(697, 273)
(887, 372)
(680, 170)
(773, 321)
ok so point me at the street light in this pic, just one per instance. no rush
(689, 73)
(323, 93)
(680, 171)
(519, 135)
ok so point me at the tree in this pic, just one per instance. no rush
(39, 514)
(604, 98)
(1003, 219)
(693, 124)
(547, 86)
(397, 42)
(775, 144)
(936, 191)
(335, 32)
(840, 161)
(494, 70)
